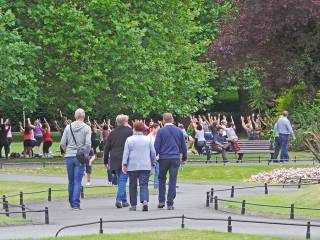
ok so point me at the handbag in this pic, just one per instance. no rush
(82, 151)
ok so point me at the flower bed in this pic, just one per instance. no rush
(291, 175)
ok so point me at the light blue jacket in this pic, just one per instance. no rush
(284, 126)
(139, 152)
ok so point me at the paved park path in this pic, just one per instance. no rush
(190, 201)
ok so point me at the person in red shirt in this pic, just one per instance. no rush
(47, 138)
(27, 140)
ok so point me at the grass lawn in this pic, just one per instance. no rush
(18, 148)
(203, 173)
(172, 235)
(225, 173)
(305, 197)
(4, 220)
(11, 188)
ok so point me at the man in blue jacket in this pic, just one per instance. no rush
(169, 144)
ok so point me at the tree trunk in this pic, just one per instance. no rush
(244, 101)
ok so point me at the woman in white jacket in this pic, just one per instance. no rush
(138, 157)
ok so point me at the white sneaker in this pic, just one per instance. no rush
(88, 184)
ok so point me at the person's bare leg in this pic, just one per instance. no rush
(88, 176)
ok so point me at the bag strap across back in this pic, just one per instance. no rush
(74, 139)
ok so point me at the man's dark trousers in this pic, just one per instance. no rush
(172, 166)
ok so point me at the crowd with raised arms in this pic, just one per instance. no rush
(132, 151)
(219, 130)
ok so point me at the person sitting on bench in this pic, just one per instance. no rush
(219, 144)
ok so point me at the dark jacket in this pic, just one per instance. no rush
(170, 143)
(113, 150)
(3, 134)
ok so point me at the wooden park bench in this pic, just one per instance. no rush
(246, 147)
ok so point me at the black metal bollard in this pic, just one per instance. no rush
(259, 159)
(299, 184)
(82, 192)
(21, 198)
(292, 211)
(49, 194)
(229, 225)
(308, 235)
(265, 188)
(6, 208)
(243, 208)
(215, 203)
(182, 221)
(207, 200)
(211, 195)
(23, 210)
(4, 199)
(44, 165)
(208, 156)
(232, 192)
(100, 226)
(46, 215)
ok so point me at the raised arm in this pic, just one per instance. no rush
(218, 119)
(258, 121)
(210, 119)
(45, 120)
(253, 123)
(29, 123)
(57, 126)
(97, 125)
(232, 122)
(20, 127)
(243, 124)
(193, 122)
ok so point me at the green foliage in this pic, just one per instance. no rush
(260, 98)
(306, 120)
(18, 82)
(111, 56)
(291, 98)
(212, 14)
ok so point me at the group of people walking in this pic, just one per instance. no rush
(129, 154)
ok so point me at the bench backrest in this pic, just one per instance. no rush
(255, 145)
(251, 145)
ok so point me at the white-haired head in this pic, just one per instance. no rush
(122, 120)
(285, 113)
(79, 114)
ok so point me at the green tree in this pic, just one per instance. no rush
(110, 55)
(18, 83)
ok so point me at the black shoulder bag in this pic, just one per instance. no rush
(82, 152)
